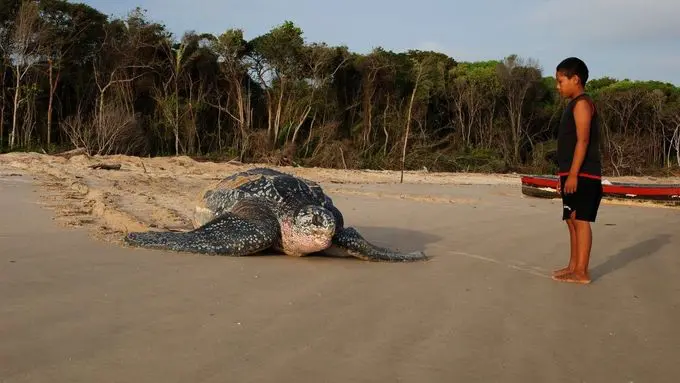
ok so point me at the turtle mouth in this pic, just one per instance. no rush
(307, 240)
(306, 246)
(316, 243)
(323, 236)
(317, 238)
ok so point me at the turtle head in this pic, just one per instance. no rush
(312, 230)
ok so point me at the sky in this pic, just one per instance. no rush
(634, 39)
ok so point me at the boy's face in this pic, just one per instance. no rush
(567, 87)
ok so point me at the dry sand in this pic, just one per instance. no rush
(77, 309)
(160, 193)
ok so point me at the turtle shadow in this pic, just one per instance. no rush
(397, 239)
(630, 254)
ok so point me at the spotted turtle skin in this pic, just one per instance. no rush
(264, 209)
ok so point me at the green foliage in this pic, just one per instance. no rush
(230, 46)
(281, 49)
(279, 98)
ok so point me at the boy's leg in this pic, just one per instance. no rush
(573, 249)
(585, 242)
(580, 255)
(585, 213)
(568, 217)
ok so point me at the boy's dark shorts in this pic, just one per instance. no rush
(585, 200)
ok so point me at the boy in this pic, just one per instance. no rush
(580, 168)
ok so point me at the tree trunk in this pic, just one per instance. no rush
(677, 140)
(277, 122)
(408, 124)
(219, 129)
(176, 119)
(387, 135)
(54, 80)
(2, 114)
(17, 92)
(2, 122)
(2, 109)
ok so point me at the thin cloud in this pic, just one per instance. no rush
(613, 21)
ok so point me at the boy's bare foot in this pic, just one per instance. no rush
(560, 272)
(574, 277)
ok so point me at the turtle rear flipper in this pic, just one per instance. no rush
(353, 243)
(231, 234)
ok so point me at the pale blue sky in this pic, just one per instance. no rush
(619, 38)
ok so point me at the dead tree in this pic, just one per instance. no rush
(24, 51)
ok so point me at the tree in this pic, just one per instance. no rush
(180, 56)
(519, 79)
(473, 91)
(25, 46)
(231, 50)
(69, 30)
(276, 58)
(429, 71)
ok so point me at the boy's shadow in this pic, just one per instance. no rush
(630, 254)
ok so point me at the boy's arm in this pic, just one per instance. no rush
(582, 115)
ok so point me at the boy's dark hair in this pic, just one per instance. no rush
(574, 66)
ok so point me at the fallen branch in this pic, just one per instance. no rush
(234, 161)
(71, 153)
(105, 166)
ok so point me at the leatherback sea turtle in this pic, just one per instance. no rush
(260, 209)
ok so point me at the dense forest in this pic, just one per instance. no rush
(73, 77)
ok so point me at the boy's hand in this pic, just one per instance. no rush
(570, 184)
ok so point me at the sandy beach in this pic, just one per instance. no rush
(80, 307)
(160, 193)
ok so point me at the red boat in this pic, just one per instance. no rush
(543, 186)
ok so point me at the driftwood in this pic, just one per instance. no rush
(71, 153)
(105, 166)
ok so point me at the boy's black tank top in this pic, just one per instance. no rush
(566, 142)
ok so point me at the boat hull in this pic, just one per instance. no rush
(543, 186)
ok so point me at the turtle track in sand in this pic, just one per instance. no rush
(117, 205)
(110, 202)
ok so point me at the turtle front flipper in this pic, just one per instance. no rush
(353, 243)
(230, 234)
